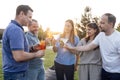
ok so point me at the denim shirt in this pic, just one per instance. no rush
(33, 40)
(64, 56)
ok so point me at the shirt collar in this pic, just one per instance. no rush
(31, 33)
(16, 23)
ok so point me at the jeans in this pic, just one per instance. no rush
(14, 76)
(64, 72)
(110, 76)
(35, 73)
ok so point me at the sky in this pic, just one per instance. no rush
(53, 13)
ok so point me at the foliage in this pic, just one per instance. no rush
(118, 27)
(85, 19)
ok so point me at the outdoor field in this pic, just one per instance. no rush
(48, 61)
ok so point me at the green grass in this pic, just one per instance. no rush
(1, 74)
(48, 62)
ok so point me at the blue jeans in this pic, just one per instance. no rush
(14, 76)
(37, 73)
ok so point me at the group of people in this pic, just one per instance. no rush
(97, 55)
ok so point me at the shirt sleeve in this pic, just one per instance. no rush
(16, 39)
(97, 38)
(77, 40)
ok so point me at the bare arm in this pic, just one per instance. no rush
(83, 48)
(20, 55)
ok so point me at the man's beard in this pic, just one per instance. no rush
(102, 30)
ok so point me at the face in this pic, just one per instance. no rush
(68, 27)
(34, 27)
(104, 25)
(27, 18)
(90, 31)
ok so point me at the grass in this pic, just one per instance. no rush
(48, 61)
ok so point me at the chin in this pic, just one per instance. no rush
(102, 30)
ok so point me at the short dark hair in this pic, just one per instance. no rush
(24, 8)
(30, 23)
(111, 18)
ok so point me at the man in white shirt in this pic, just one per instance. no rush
(109, 42)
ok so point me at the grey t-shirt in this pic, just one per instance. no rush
(89, 57)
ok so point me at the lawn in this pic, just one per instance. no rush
(48, 61)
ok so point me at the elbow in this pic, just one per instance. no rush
(18, 58)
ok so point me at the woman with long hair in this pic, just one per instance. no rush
(65, 59)
(90, 61)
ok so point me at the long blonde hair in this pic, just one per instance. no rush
(72, 33)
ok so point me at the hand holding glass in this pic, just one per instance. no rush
(41, 45)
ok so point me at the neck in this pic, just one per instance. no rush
(91, 38)
(17, 20)
(67, 35)
(109, 32)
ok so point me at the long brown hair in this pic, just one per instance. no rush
(72, 33)
(93, 26)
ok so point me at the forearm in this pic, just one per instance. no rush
(85, 47)
(27, 56)
(24, 56)
(20, 55)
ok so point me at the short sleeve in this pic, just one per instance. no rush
(76, 40)
(97, 38)
(16, 39)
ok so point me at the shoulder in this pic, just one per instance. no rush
(14, 28)
(117, 32)
(83, 40)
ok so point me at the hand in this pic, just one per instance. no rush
(76, 67)
(61, 43)
(53, 42)
(36, 47)
(40, 53)
(67, 46)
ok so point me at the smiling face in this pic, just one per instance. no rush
(33, 27)
(91, 31)
(68, 27)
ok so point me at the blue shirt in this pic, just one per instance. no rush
(13, 39)
(64, 56)
(33, 40)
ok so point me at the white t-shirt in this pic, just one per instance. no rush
(110, 50)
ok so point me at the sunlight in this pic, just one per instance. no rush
(53, 14)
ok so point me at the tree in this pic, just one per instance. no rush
(41, 34)
(118, 27)
(85, 19)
